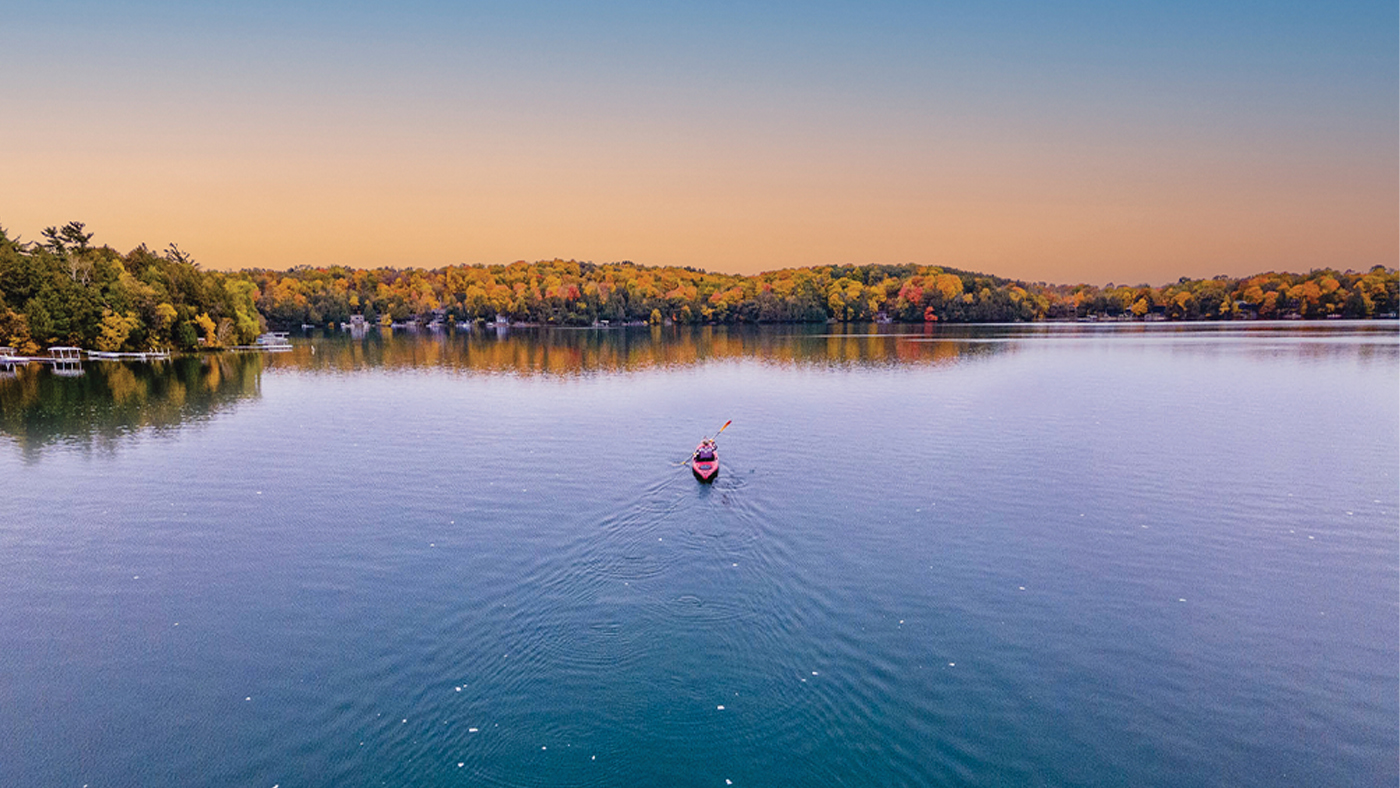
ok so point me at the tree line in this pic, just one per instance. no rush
(567, 292)
(64, 290)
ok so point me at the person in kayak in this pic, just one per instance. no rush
(705, 461)
(705, 452)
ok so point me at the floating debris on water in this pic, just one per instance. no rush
(719, 708)
(471, 730)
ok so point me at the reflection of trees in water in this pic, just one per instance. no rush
(584, 351)
(560, 351)
(113, 399)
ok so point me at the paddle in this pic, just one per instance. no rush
(687, 460)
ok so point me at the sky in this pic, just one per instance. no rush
(1062, 142)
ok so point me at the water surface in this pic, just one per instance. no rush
(1039, 555)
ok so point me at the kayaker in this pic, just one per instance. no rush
(705, 461)
(705, 452)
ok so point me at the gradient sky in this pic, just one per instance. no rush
(1126, 142)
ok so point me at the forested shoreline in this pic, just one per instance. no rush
(64, 290)
(563, 292)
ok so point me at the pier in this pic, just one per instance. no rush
(68, 361)
(150, 355)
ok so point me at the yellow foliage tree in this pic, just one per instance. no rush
(114, 329)
(14, 333)
(165, 315)
(948, 286)
(206, 324)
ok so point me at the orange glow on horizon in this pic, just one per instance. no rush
(1021, 213)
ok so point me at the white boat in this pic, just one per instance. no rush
(274, 340)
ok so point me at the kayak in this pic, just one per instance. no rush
(705, 461)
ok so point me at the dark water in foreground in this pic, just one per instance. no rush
(1138, 555)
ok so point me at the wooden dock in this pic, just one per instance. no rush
(66, 361)
(106, 355)
(69, 360)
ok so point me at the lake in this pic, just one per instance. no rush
(1098, 555)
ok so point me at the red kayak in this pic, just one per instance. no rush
(705, 461)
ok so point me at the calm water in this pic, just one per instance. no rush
(1050, 555)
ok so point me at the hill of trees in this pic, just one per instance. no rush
(571, 293)
(64, 290)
